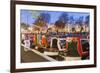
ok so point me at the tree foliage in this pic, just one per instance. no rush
(24, 25)
(87, 19)
(46, 17)
(71, 20)
(43, 19)
(60, 24)
(80, 20)
(40, 21)
(64, 17)
(62, 21)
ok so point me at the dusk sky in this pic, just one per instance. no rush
(29, 16)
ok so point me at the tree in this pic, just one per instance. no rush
(87, 19)
(71, 20)
(60, 24)
(62, 21)
(64, 17)
(46, 17)
(42, 19)
(24, 25)
(35, 13)
(80, 20)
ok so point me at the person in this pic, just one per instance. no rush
(31, 41)
(34, 39)
(44, 41)
(23, 38)
(27, 43)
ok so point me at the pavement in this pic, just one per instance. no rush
(30, 56)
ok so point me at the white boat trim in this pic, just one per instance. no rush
(51, 53)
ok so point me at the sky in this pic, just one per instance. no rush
(29, 16)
